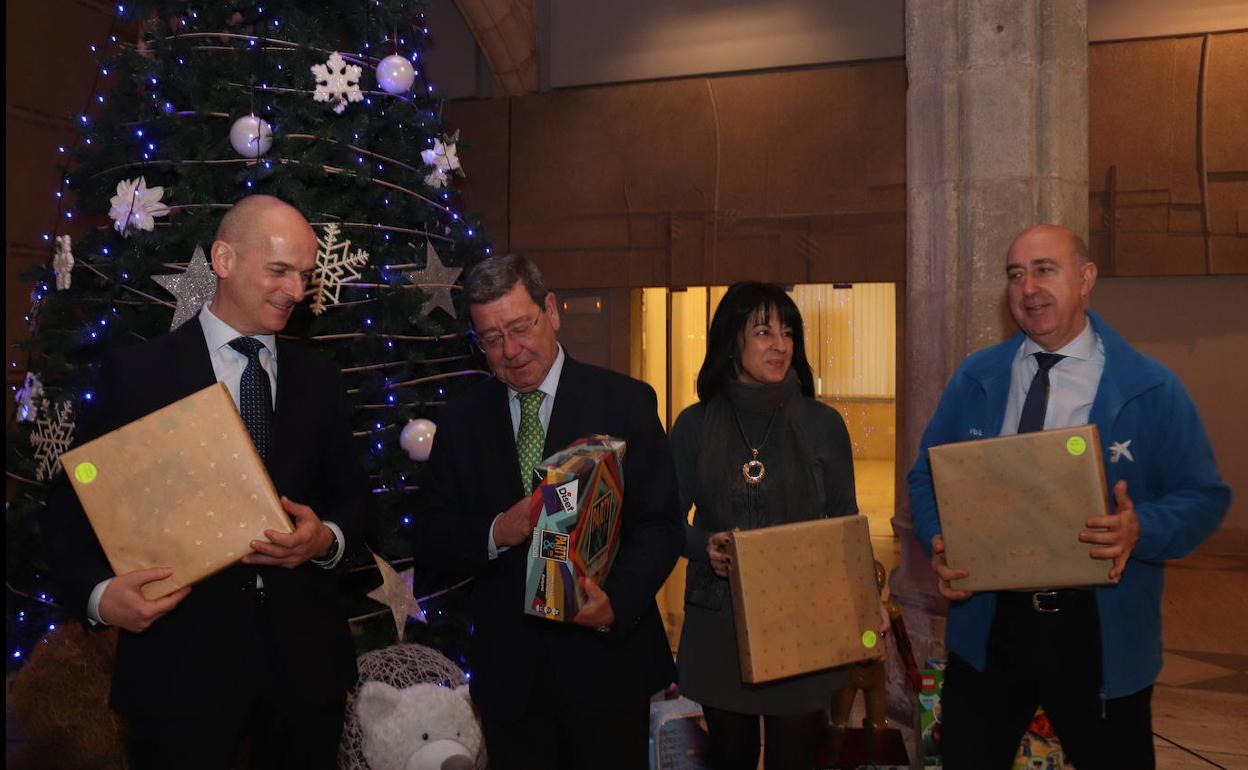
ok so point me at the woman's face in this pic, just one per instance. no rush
(766, 349)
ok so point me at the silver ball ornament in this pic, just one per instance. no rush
(416, 438)
(251, 136)
(395, 74)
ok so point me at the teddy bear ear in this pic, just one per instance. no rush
(377, 699)
(463, 692)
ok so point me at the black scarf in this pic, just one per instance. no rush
(790, 491)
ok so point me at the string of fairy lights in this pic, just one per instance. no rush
(402, 80)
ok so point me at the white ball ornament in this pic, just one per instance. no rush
(395, 74)
(416, 438)
(251, 136)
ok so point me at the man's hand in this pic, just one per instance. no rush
(1114, 535)
(717, 550)
(597, 612)
(310, 540)
(123, 605)
(945, 573)
(514, 525)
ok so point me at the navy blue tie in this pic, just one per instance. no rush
(1037, 402)
(255, 399)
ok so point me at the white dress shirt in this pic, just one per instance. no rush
(1072, 381)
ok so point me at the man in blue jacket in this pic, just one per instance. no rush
(1089, 657)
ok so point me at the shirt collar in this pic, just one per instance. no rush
(1081, 347)
(218, 333)
(551, 383)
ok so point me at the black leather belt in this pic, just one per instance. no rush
(1045, 602)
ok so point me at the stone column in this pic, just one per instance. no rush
(996, 140)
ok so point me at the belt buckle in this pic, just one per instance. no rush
(1038, 605)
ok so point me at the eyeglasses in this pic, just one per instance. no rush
(517, 330)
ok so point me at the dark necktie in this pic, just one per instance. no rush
(255, 399)
(1037, 402)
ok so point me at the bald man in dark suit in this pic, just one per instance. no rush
(259, 652)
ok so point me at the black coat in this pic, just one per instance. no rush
(474, 474)
(210, 651)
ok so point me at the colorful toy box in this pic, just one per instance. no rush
(932, 676)
(1040, 749)
(576, 525)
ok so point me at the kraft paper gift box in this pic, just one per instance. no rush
(576, 525)
(181, 488)
(804, 597)
(1012, 507)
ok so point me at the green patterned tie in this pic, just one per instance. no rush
(530, 437)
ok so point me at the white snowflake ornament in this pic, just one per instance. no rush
(443, 159)
(135, 205)
(52, 435)
(335, 265)
(28, 398)
(63, 262)
(337, 82)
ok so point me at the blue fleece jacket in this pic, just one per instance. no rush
(1172, 478)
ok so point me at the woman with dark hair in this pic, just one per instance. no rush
(756, 450)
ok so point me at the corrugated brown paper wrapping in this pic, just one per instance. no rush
(804, 597)
(182, 488)
(1012, 508)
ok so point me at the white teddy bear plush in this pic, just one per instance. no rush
(422, 727)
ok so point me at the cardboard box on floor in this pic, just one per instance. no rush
(804, 597)
(182, 487)
(1012, 507)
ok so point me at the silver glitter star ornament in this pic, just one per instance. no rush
(193, 288)
(395, 592)
(436, 280)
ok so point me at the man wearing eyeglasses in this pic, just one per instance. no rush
(550, 694)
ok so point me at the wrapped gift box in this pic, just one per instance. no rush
(933, 679)
(181, 488)
(1011, 508)
(804, 597)
(576, 525)
(1040, 749)
(678, 739)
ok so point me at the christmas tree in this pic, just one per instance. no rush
(325, 105)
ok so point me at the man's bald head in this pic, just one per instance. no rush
(1058, 234)
(263, 255)
(1048, 279)
(254, 216)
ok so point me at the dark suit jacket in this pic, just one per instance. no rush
(212, 650)
(474, 474)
